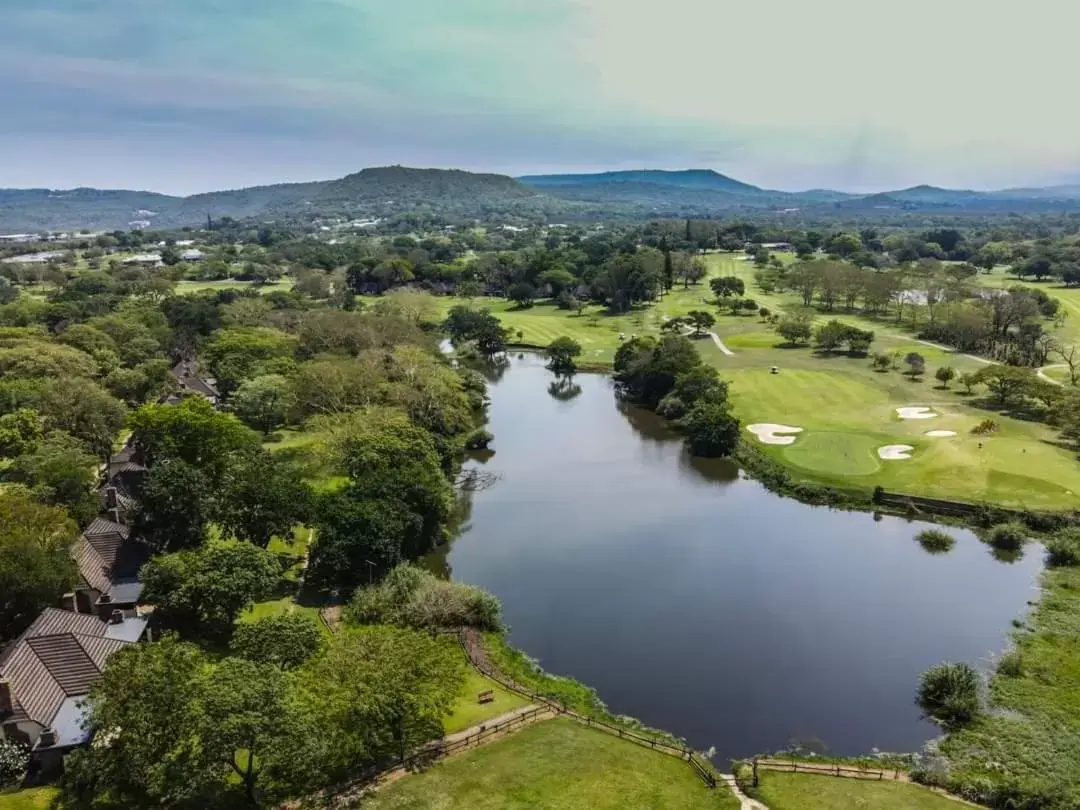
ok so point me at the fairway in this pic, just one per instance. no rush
(557, 764)
(792, 791)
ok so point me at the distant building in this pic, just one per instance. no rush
(188, 378)
(193, 255)
(19, 237)
(34, 258)
(145, 259)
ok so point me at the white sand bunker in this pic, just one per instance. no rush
(895, 452)
(768, 433)
(915, 413)
(941, 434)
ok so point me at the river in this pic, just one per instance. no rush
(699, 602)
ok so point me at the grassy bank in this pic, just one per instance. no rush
(30, 799)
(1030, 743)
(554, 764)
(792, 791)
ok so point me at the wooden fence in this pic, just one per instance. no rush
(825, 768)
(703, 772)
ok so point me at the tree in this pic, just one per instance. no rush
(726, 286)
(1069, 354)
(84, 409)
(261, 497)
(20, 431)
(385, 690)
(263, 403)
(969, 380)
(881, 362)
(1006, 382)
(192, 432)
(795, 327)
(950, 694)
(916, 364)
(945, 375)
(14, 759)
(287, 641)
(523, 294)
(830, 335)
(700, 321)
(558, 279)
(176, 505)
(59, 471)
(200, 592)
(561, 353)
(711, 429)
(646, 369)
(240, 353)
(35, 559)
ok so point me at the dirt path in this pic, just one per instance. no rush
(745, 802)
(949, 349)
(1041, 372)
(720, 344)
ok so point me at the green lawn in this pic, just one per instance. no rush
(31, 799)
(554, 764)
(794, 791)
(468, 711)
(185, 287)
(276, 607)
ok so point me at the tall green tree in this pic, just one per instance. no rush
(287, 641)
(261, 497)
(200, 593)
(35, 559)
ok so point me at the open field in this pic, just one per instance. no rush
(31, 799)
(554, 764)
(186, 287)
(468, 711)
(793, 791)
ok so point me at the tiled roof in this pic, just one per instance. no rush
(108, 560)
(58, 657)
(103, 526)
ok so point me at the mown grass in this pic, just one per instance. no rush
(187, 287)
(468, 711)
(1032, 736)
(794, 791)
(554, 764)
(31, 799)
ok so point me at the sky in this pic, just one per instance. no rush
(182, 96)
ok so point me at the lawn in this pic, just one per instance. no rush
(30, 799)
(468, 711)
(554, 764)
(277, 607)
(185, 287)
(794, 791)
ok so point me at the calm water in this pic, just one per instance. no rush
(700, 603)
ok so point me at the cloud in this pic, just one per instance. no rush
(788, 93)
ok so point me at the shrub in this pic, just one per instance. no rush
(479, 440)
(936, 541)
(14, 757)
(985, 427)
(1007, 536)
(881, 362)
(413, 597)
(1011, 665)
(1064, 547)
(672, 407)
(950, 694)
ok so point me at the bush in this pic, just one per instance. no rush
(1011, 665)
(479, 440)
(1007, 536)
(936, 541)
(672, 407)
(985, 427)
(1064, 547)
(14, 757)
(950, 694)
(413, 597)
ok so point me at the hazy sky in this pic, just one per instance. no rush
(193, 95)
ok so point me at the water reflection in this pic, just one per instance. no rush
(563, 388)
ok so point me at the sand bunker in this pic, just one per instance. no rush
(941, 434)
(767, 433)
(895, 452)
(915, 413)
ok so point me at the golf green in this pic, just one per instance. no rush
(833, 453)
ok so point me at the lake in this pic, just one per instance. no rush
(699, 602)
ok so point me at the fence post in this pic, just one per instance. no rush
(755, 772)
(838, 769)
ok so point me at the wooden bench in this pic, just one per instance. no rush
(486, 697)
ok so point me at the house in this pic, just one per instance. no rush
(193, 255)
(187, 376)
(145, 260)
(46, 675)
(108, 556)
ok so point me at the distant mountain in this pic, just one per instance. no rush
(371, 192)
(454, 194)
(702, 179)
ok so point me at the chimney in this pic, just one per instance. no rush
(116, 617)
(47, 739)
(82, 601)
(111, 501)
(6, 703)
(104, 606)
(67, 602)
(114, 515)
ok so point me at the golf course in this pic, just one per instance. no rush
(847, 410)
